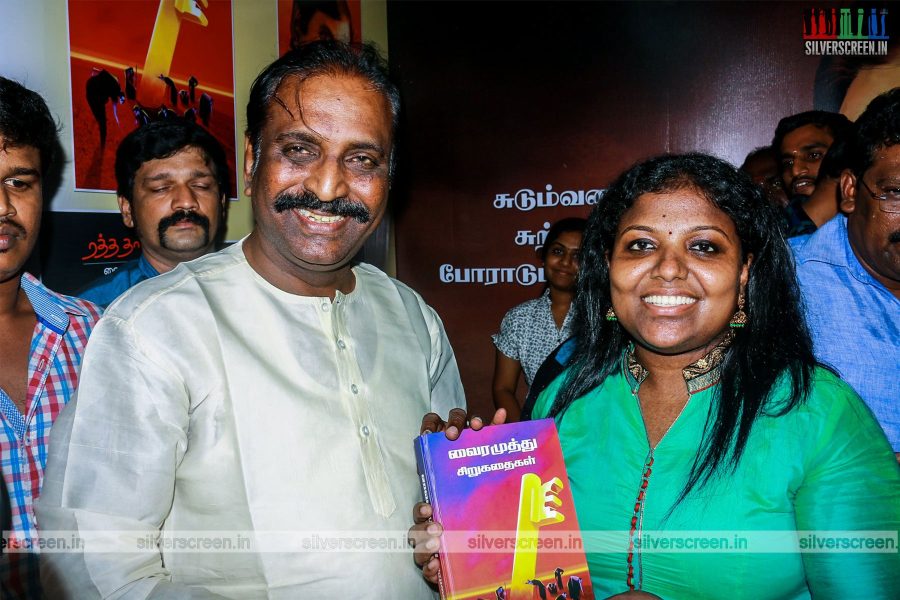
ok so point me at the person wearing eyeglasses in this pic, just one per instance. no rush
(849, 269)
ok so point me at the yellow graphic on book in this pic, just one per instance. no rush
(538, 504)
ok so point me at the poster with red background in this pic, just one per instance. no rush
(107, 37)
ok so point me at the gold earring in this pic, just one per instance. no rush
(611, 315)
(740, 317)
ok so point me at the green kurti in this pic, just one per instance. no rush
(824, 466)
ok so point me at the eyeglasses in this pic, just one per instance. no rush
(888, 201)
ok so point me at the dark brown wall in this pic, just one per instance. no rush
(513, 95)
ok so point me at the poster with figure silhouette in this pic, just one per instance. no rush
(306, 20)
(145, 60)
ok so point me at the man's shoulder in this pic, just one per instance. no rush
(826, 245)
(187, 277)
(373, 277)
(106, 288)
(46, 302)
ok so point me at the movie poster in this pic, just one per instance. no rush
(144, 60)
(304, 20)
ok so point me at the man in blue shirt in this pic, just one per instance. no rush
(849, 269)
(801, 142)
(172, 181)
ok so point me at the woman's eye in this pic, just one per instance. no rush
(704, 247)
(640, 245)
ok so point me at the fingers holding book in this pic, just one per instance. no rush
(457, 421)
(424, 537)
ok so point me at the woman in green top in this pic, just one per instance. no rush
(694, 415)
(698, 430)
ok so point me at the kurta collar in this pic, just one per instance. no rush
(698, 375)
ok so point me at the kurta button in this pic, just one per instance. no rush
(341, 344)
(364, 430)
(325, 306)
(354, 389)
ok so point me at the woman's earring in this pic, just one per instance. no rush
(611, 315)
(740, 317)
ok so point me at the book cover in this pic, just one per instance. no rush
(503, 499)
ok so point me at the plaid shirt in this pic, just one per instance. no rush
(57, 344)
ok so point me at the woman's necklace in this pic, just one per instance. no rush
(637, 518)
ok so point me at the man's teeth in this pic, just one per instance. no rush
(668, 300)
(320, 218)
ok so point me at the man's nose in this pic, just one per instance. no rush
(326, 180)
(184, 198)
(7, 209)
(800, 167)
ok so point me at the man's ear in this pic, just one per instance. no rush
(125, 209)
(848, 191)
(248, 165)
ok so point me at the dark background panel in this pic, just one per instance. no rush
(504, 96)
(71, 251)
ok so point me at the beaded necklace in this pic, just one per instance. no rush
(698, 376)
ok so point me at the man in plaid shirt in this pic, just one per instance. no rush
(42, 334)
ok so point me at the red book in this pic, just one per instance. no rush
(503, 498)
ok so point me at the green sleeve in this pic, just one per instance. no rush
(852, 485)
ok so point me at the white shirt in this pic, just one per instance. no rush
(211, 400)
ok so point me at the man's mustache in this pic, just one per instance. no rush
(10, 223)
(183, 215)
(341, 207)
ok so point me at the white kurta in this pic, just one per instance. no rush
(211, 400)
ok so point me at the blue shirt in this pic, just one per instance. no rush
(854, 320)
(103, 290)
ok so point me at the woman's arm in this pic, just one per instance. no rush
(506, 380)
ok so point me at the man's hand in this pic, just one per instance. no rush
(424, 537)
(456, 422)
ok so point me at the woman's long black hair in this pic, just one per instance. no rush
(774, 343)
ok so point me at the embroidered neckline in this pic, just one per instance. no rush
(698, 375)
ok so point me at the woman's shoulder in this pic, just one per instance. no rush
(832, 412)
(527, 308)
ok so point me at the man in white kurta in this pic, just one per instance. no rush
(268, 391)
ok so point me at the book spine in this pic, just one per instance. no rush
(426, 479)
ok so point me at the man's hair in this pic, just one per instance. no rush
(25, 120)
(163, 139)
(877, 127)
(318, 58)
(835, 123)
(775, 344)
(762, 151)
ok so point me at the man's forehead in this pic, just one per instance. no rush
(806, 136)
(22, 157)
(186, 155)
(886, 161)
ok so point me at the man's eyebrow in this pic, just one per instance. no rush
(297, 136)
(159, 176)
(24, 172)
(377, 148)
(303, 136)
(806, 148)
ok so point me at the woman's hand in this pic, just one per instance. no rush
(456, 422)
(424, 537)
